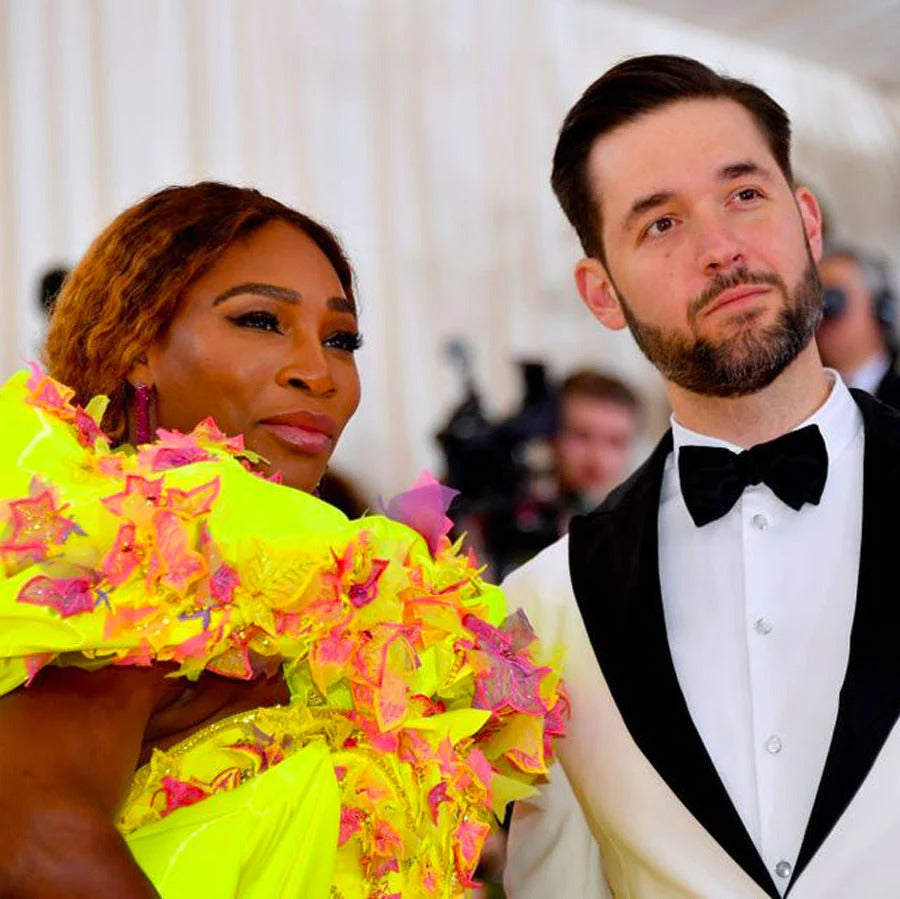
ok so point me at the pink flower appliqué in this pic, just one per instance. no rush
(512, 679)
(424, 508)
(69, 596)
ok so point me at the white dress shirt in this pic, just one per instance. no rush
(758, 608)
(869, 375)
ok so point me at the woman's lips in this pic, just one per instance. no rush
(305, 440)
(305, 433)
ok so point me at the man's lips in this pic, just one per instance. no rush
(305, 432)
(735, 295)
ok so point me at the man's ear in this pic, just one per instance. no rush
(598, 293)
(811, 216)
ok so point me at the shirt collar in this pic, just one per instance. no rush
(838, 418)
(868, 375)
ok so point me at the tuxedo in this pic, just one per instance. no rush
(888, 389)
(878, 375)
(648, 789)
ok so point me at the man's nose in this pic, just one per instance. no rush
(718, 247)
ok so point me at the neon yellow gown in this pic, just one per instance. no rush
(417, 708)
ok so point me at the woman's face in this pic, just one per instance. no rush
(264, 343)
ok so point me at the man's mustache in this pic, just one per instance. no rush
(720, 283)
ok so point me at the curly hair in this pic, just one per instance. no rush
(126, 289)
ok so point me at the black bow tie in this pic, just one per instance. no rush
(794, 466)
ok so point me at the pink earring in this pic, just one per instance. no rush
(142, 432)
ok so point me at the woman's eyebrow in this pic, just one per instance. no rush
(273, 291)
(342, 304)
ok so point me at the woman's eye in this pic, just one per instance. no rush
(349, 341)
(260, 320)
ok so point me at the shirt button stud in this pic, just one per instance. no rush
(773, 744)
(762, 626)
(760, 522)
(783, 869)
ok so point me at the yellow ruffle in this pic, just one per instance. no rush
(272, 837)
(398, 656)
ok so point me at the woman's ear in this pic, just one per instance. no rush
(141, 414)
(140, 373)
(598, 293)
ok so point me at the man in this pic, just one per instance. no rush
(856, 336)
(729, 616)
(597, 423)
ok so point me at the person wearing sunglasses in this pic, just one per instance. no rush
(857, 335)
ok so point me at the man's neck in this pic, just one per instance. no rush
(747, 420)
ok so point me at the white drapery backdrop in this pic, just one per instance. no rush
(421, 130)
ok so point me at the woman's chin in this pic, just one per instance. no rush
(299, 470)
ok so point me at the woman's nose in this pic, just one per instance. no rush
(307, 368)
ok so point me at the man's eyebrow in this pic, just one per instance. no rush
(645, 204)
(729, 172)
(273, 291)
(740, 169)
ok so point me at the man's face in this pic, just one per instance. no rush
(593, 445)
(851, 337)
(709, 252)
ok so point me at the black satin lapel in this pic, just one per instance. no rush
(614, 564)
(870, 696)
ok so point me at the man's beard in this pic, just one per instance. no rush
(749, 360)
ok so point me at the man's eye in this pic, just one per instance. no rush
(261, 321)
(660, 226)
(349, 341)
(748, 193)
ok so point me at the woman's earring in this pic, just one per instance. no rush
(143, 394)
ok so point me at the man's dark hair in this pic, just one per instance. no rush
(597, 386)
(633, 88)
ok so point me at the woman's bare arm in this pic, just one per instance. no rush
(69, 745)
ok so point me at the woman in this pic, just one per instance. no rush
(232, 688)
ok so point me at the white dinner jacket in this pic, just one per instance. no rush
(650, 797)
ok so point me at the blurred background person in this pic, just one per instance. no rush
(502, 467)
(857, 334)
(522, 477)
(597, 423)
(50, 285)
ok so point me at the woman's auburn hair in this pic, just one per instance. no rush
(126, 289)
